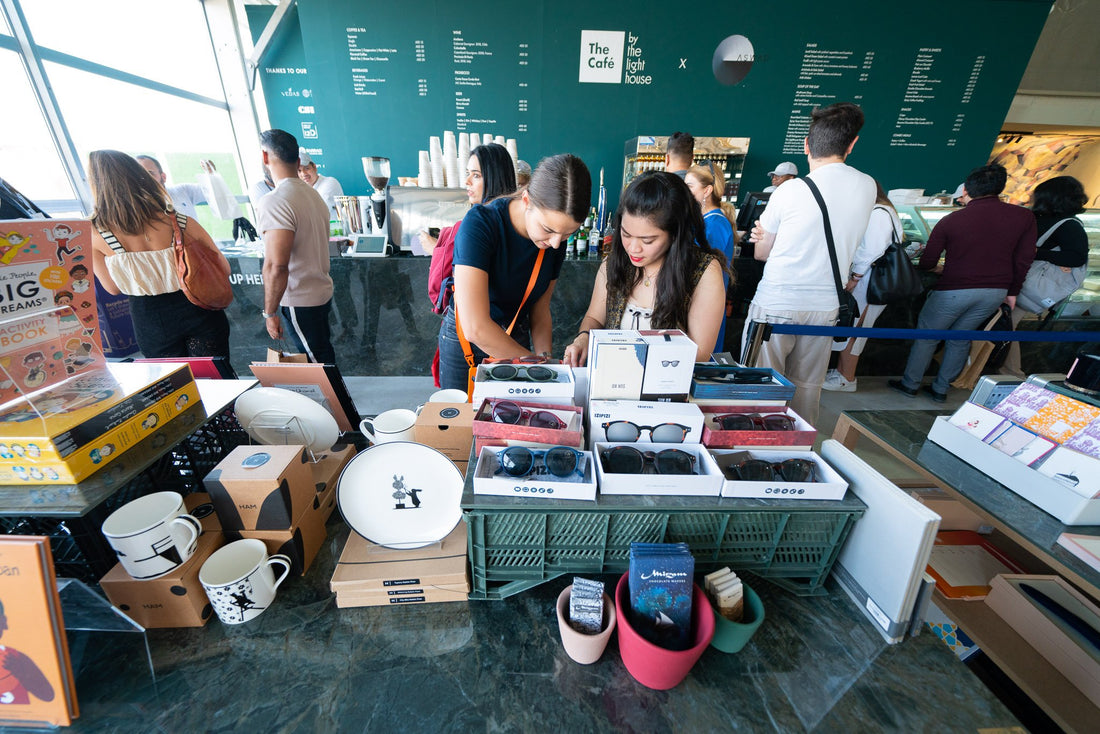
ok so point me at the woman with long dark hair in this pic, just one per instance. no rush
(134, 215)
(502, 248)
(1062, 252)
(660, 272)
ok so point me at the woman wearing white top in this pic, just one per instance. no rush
(883, 227)
(133, 213)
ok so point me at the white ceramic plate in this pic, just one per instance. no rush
(400, 494)
(274, 417)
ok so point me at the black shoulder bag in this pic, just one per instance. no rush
(892, 278)
(849, 309)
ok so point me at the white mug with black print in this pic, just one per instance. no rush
(152, 535)
(239, 579)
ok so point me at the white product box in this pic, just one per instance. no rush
(487, 480)
(643, 413)
(1079, 472)
(560, 391)
(706, 482)
(616, 364)
(829, 485)
(669, 363)
(1049, 494)
(976, 420)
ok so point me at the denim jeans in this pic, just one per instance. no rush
(963, 309)
(453, 370)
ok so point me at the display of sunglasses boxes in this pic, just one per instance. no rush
(1059, 622)
(261, 487)
(446, 427)
(543, 485)
(778, 388)
(802, 437)
(368, 574)
(558, 391)
(828, 484)
(68, 432)
(302, 540)
(706, 482)
(176, 599)
(1070, 498)
(643, 413)
(572, 435)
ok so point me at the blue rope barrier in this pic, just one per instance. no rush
(937, 334)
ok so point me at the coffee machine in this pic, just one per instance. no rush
(371, 230)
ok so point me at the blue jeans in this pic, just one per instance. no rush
(453, 370)
(964, 309)
(309, 330)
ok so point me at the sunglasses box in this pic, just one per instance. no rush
(706, 482)
(487, 480)
(801, 438)
(669, 363)
(176, 599)
(1051, 636)
(829, 485)
(261, 487)
(572, 435)
(616, 364)
(643, 413)
(558, 391)
(447, 428)
(776, 388)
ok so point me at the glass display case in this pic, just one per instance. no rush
(917, 220)
(647, 153)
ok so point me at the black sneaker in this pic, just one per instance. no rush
(897, 385)
(939, 397)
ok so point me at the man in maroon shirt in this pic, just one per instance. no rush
(988, 248)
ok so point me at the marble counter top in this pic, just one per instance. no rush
(306, 666)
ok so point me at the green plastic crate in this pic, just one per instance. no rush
(515, 544)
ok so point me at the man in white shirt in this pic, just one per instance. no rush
(293, 221)
(327, 186)
(798, 286)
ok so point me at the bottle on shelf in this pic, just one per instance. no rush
(594, 237)
(580, 243)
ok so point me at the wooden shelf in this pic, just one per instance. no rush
(1069, 707)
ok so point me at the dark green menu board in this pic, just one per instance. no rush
(935, 80)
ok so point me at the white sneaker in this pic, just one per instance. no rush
(835, 381)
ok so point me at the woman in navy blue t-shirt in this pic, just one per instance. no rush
(496, 250)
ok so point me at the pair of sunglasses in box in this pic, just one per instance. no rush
(629, 460)
(628, 431)
(754, 422)
(758, 470)
(506, 411)
(527, 373)
(562, 462)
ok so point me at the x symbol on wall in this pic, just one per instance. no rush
(683, 63)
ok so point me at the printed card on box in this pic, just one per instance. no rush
(1087, 440)
(1062, 417)
(1073, 470)
(616, 364)
(1021, 444)
(977, 421)
(1024, 402)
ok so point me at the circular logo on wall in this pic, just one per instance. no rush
(732, 60)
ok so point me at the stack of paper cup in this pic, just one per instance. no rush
(486, 138)
(435, 148)
(511, 146)
(424, 172)
(463, 149)
(499, 140)
(450, 148)
(454, 179)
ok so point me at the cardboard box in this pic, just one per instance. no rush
(366, 568)
(1051, 636)
(303, 539)
(261, 487)
(669, 362)
(541, 486)
(706, 482)
(643, 413)
(412, 595)
(326, 470)
(485, 427)
(954, 515)
(1066, 504)
(829, 485)
(560, 391)
(89, 420)
(174, 600)
(801, 438)
(447, 428)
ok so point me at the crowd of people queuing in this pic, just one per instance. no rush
(669, 264)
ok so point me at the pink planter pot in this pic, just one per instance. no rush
(584, 648)
(653, 666)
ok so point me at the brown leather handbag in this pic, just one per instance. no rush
(203, 270)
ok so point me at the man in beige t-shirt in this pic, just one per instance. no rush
(293, 220)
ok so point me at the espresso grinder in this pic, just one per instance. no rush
(375, 213)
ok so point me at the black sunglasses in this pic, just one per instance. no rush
(629, 460)
(533, 373)
(758, 470)
(737, 375)
(619, 431)
(754, 422)
(508, 412)
(519, 461)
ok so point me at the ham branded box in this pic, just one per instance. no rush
(261, 487)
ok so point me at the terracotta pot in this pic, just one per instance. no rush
(584, 648)
(653, 666)
(733, 636)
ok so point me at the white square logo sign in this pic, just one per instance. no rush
(602, 57)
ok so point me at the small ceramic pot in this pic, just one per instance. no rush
(584, 648)
(657, 667)
(733, 636)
